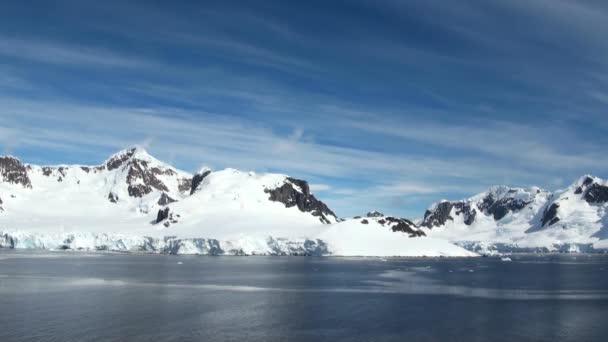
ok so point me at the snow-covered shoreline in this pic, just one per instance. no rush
(89, 242)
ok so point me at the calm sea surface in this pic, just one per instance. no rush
(115, 297)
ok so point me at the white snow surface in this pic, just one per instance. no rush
(374, 239)
(69, 206)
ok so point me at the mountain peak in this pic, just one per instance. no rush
(119, 158)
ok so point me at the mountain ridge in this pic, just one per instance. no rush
(135, 202)
(134, 193)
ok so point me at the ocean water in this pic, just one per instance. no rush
(67, 296)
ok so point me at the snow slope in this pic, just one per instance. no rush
(134, 202)
(375, 239)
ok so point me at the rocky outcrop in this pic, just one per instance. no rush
(14, 172)
(143, 179)
(118, 160)
(438, 216)
(1, 209)
(469, 213)
(403, 225)
(165, 199)
(167, 216)
(198, 179)
(162, 215)
(498, 202)
(374, 213)
(550, 215)
(113, 197)
(296, 192)
(139, 190)
(499, 208)
(596, 194)
(47, 171)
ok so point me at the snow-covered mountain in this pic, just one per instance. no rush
(133, 201)
(529, 219)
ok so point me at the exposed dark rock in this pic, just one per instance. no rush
(47, 171)
(375, 213)
(465, 209)
(139, 170)
(1, 209)
(85, 169)
(62, 170)
(439, 216)
(382, 221)
(162, 215)
(500, 208)
(364, 221)
(119, 160)
(158, 171)
(405, 226)
(596, 194)
(303, 199)
(578, 191)
(197, 180)
(113, 197)
(165, 199)
(139, 190)
(588, 180)
(13, 171)
(550, 215)
(166, 215)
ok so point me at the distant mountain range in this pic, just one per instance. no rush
(134, 202)
(527, 219)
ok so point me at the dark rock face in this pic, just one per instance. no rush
(375, 213)
(197, 180)
(85, 169)
(500, 208)
(165, 199)
(119, 160)
(13, 171)
(167, 216)
(1, 209)
(404, 225)
(139, 190)
(439, 216)
(596, 194)
(304, 200)
(467, 211)
(113, 197)
(47, 171)
(364, 221)
(162, 215)
(139, 170)
(550, 215)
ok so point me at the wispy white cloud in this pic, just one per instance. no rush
(44, 51)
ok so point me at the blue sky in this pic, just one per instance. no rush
(379, 104)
